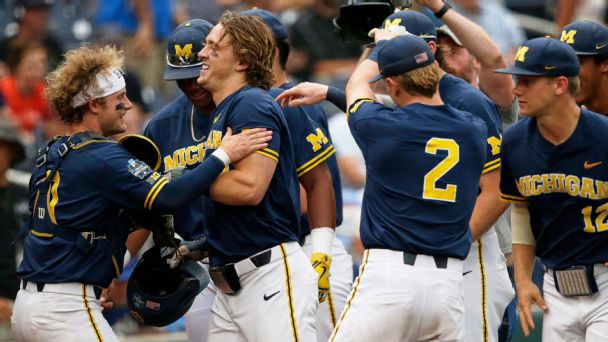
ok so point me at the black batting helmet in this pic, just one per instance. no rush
(159, 295)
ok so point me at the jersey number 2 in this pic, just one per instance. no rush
(430, 189)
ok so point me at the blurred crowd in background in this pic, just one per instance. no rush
(35, 33)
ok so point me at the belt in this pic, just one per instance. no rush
(597, 270)
(415, 260)
(65, 288)
(227, 277)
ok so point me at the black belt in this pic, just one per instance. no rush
(226, 278)
(40, 287)
(410, 259)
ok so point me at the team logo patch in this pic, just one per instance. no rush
(152, 305)
(138, 168)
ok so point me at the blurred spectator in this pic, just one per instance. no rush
(24, 88)
(210, 10)
(141, 27)
(13, 211)
(318, 52)
(33, 19)
(536, 8)
(568, 11)
(496, 20)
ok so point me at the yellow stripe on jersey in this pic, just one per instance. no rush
(52, 198)
(489, 166)
(273, 152)
(90, 313)
(265, 154)
(154, 192)
(311, 164)
(482, 273)
(353, 108)
(351, 296)
(292, 310)
(42, 235)
(116, 268)
(513, 199)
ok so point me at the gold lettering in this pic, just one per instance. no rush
(520, 56)
(568, 36)
(572, 185)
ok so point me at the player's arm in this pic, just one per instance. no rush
(488, 206)
(308, 93)
(320, 199)
(524, 255)
(499, 87)
(247, 183)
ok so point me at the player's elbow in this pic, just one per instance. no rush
(253, 197)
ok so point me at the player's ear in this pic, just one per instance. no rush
(94, 105)
(560, 85)
(604, 65)
(240, 66)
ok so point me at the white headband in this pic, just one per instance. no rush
(109, 81)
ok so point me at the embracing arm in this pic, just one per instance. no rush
(320, 198)
(247, 183)
(488, 206)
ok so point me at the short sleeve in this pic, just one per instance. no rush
(508, 184)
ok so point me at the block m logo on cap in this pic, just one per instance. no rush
(520, 56)
(390, 23)
(568, 36)
(183, 51)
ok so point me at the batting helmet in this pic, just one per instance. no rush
(159, 295)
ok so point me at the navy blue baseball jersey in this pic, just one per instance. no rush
(423, 167)
(564, 186)
(87, 193)
(459, 94)
(312, 146)
(180, 130)
(236, 232)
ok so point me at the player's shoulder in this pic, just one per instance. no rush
(178, 107)
(519, 130)
(462, 95)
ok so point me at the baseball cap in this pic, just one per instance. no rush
(270, 20)
(9, 134)
(402, 54)
(183, 46)
(445, 30)
(544, 57)
(413, 22)
(586, 37)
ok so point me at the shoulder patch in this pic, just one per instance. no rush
(138, 168)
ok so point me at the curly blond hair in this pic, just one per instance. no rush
(254, 45)
(79, 72)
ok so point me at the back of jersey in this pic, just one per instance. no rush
(423, 168)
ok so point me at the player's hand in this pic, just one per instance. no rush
(321, 262)
(527, 294)
(239, 146)
(194, 249)
(305, 93)
(381, 34)
(6, 309)
(106, 301)
(433, 5)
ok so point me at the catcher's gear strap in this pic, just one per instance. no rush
(44, 174)
(142, 148)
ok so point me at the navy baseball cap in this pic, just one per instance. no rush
(402, 54)
(270, 20)
(413, 22)
(586, 37)
(544, 57)
(183, 46)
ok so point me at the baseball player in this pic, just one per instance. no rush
(488, 290)
(423, 162)
(553, 172)
(190, 113)
(590, 41)
(341, 271)
(268, 291)
(78, 190)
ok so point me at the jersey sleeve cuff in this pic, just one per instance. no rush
(153, 193)
(491, 165)
(272, 154)
(318, 159)
(513, 199)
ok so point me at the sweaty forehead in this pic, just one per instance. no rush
(218, 34)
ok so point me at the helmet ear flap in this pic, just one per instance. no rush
(159, 295)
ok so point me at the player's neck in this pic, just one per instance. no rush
(280, 77)
(404, 99)
(559, 122)
(89, 123)
(229, 86)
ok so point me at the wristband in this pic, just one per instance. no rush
(439, 14)
(321, 239)
(222, 155)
